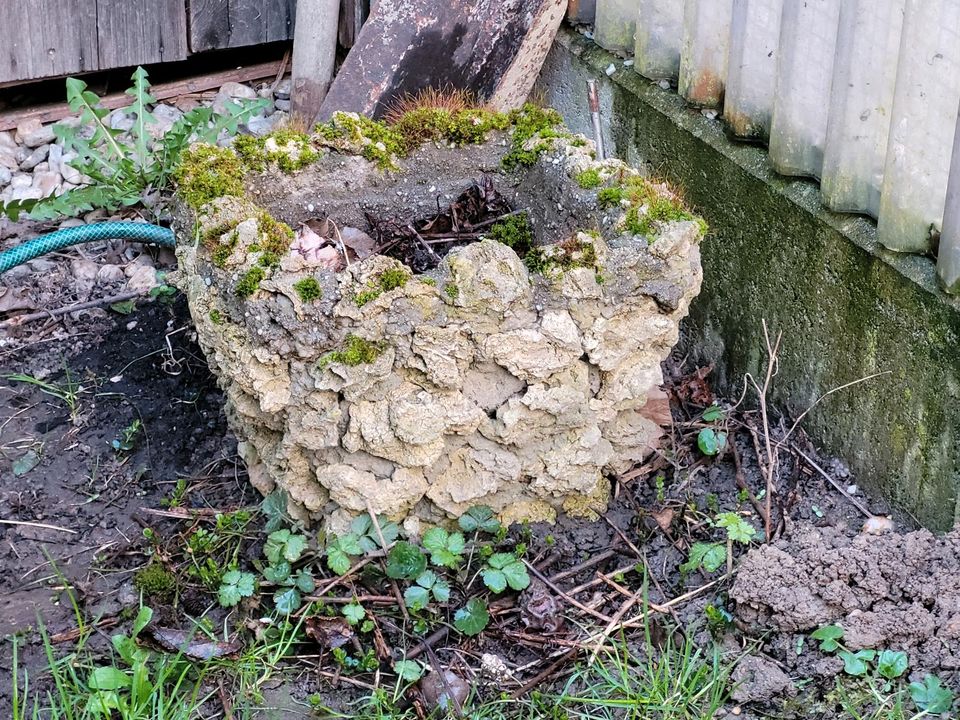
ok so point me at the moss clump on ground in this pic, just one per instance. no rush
(289, 149)
(211, 236)
(610, 197)
(382, 142)
(308, 289)
(393, 278)
(275, 236)
(389, 279)
(452, 291)
(249, 282)
(222, 251)
(216, 317)
(659, 209)
(268, 259)
(378, 142)
(155, 581)
(527, 122)
(460, 127)
(207, 172)
(589, 179)
(356, 351)
(514, 232)
(573, 252)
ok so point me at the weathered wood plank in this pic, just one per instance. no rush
(352, 15)
(494, 49)
(165, 91)
(47, 38)
(137, 32)
(237, 23)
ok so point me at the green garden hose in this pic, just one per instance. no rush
(140, 232)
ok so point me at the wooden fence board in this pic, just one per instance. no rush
(46, 38)
(237, 23)
(137, 32)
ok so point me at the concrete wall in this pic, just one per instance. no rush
(847, 308)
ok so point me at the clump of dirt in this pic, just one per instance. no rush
(896, 590)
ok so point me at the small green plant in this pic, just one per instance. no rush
(589, 179)
(389, 279)
(930, 696)
(216, 317)
(308, 289)
(472, 618)
(68, 392)
(354, 613)
(713, 413)
(126, 173)
(417, 596)
(505, 569)
(610, 197)
(452, 291)
(127, 441)
(711, 556)
(362, 538)
(479, 518)
(883, 670)
(445, 548)
(711, 441)
(235, 585)
(405, 561)
(515, 232)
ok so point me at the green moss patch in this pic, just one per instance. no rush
(528, 121)
(216, 317)
(557, 259)
(288, 149)
(589, 179)
(155, 581)
(275, 236)
(207, 172)
(308, 289)
(356, 351)
(249, 282)
(514, 232)
(389, 279)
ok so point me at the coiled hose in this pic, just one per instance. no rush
(140, 232)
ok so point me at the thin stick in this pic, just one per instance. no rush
(595, 560)
(641, 617)
(836, 484)
(38, 525)
(30, 317)
(383, 544)
(544, 675)
(573, 601)
(612, 625)
(424, 244)
(597, 581)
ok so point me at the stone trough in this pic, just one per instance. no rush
(515, 377)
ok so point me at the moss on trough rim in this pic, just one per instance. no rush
(207, 172)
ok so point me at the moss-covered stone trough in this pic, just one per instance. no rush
(516, 365)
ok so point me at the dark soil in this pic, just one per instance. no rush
(94, 495)
(892, 590)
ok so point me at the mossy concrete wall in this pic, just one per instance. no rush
(846, 307)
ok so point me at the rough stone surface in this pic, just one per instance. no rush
(846, 308)
(489, 384)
